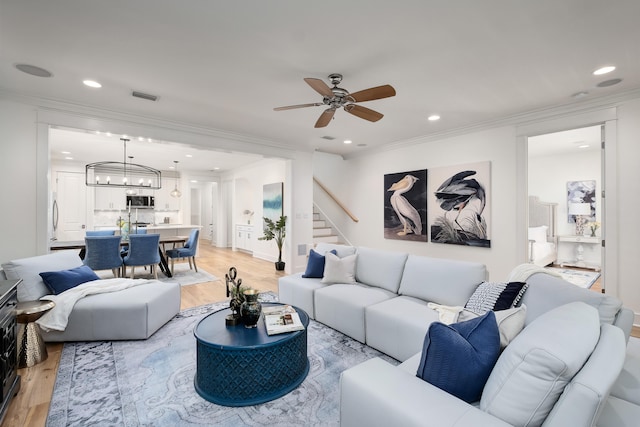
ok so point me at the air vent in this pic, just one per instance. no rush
(330, 138)
(144, 96)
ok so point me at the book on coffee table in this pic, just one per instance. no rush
(281, 319)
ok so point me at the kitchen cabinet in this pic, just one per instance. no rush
(109, 198)
(244, 237)
(163, 199)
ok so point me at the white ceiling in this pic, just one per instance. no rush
(565, 142)
(224, 65)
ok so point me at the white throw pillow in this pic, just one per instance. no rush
(510, 322)
(339, 270)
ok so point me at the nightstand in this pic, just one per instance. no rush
(579, 242)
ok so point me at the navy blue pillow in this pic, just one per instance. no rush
(458, 358)
(60, 281)
(315, 265)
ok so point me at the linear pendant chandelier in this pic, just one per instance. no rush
(124, 175)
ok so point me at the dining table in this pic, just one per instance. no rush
(57, 245)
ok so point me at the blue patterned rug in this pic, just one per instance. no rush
(150, 383)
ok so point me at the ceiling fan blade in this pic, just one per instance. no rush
(370, 94)
(319, 86)
(325, 117)
(363, 112)
(291, 107)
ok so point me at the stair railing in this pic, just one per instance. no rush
(335, 199)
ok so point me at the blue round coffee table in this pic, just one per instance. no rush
(237, 366)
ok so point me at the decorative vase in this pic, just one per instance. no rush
(251, 308)
(593, 233)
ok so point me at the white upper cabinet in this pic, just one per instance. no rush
(163, 200)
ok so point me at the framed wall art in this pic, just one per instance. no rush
(581, 192)
(460, 209)
(405, 205)
(272, 201)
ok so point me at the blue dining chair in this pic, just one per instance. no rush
(187, 251)
(103, 253)
(144, 249)
(94, 233)
(125, 248)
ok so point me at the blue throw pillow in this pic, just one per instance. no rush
(60, 281)
(315, 265)
(458, 358)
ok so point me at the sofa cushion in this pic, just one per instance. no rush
(458, 358)
(315, 264)
(534, 369)
(28, 269)
(442, 281)
(541, 285)
(60, 281)
(397, 326)
(339, 270)
(496, 296)
(382, 269)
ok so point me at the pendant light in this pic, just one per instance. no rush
(175, 192)
(122, 174)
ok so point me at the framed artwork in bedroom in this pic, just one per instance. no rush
(581, 192)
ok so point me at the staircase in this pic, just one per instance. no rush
(323, 232)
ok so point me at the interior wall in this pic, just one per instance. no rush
(361, 184)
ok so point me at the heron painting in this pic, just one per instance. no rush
(461, 205)
(405, 205)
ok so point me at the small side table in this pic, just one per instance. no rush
(31, 347)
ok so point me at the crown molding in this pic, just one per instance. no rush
(520, 119)
(53, 109)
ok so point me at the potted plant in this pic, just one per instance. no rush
(276, 231)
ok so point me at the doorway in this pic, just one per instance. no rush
(565, 172)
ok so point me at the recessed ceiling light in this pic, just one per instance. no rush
(140, 138)
(583, 146)
(216, 168)
(433, 117)
(194, 181)
(108, 134)
(347, 141)
(65, 152)
(188, 155)
(604, 70)
(92, 83)
(68, 158)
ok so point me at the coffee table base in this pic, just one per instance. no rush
(250, 376)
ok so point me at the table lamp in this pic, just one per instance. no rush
(581, 211)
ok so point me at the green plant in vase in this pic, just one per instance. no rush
(276, 230)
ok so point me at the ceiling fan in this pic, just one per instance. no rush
(336, 97)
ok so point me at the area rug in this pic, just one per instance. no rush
(584, 279)
(185, 276)
(150, 383)
(181, 274)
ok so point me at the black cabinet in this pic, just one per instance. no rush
(8, 344)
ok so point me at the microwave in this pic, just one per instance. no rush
(141, 202)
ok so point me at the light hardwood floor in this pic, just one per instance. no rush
(29, 408)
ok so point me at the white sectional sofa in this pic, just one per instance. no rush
(127, 314)
(387, 308)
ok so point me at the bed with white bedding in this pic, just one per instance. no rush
(543, 241)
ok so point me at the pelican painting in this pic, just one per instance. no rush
(406, 194)
(462, 201)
